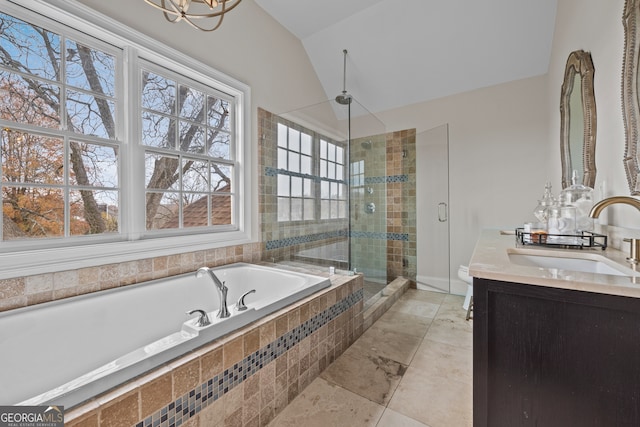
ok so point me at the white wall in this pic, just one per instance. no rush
(498, 154)
(595, 26)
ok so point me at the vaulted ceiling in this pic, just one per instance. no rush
(402, 52)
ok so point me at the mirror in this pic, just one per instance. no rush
(631, 112)
(578, 120)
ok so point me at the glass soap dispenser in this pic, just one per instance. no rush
(541, 212)
(581, 197)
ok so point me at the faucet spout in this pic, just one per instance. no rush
(222, 290)
(202, 270)
(626, 200)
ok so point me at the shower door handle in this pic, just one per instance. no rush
(443, 212)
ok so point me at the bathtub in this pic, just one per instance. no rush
(65, 352)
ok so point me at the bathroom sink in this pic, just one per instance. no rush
(585, 263)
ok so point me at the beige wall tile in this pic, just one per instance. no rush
(90, 421)
(211, 364)
(186, 377)
(121, 413)
(267, 333)
(251, 342)
(36, 284)
(155, 395)
(233, 352)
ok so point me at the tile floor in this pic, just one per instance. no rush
(412, 368)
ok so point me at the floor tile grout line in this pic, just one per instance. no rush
(445, 310)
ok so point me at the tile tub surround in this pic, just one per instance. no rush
(243, 379)
(29, 290)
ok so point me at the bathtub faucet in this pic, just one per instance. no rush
(222, 290)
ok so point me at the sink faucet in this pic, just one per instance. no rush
(634, 253)
(625, 200)
(222, 290)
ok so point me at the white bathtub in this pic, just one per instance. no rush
(67, 351)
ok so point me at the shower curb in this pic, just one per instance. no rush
(389, 295)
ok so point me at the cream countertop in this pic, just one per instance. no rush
(490, 260)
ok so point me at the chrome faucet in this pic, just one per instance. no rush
(222, 290)
(634, 252)
(203, 318)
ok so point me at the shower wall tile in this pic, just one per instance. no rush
(285, 240)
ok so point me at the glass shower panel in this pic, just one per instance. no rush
(319, 235)
(344, 147)
(369, 210)
(432, 205)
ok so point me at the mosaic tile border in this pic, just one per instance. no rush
(269, 171)
(298, 240)
(380, 235)
(183, 408)
(386, 179)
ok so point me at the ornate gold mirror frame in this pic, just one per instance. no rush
(578, 140)
(630, 104)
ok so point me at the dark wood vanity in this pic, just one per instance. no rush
(545, 356)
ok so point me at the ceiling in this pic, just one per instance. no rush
(410, 51)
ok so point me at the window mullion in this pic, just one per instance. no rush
(132, 196)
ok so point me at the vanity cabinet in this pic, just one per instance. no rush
(549, 357)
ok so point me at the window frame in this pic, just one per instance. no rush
(133, 242)
(315, 176)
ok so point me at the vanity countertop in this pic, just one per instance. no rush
(490, 260)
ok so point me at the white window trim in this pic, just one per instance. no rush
(135, 44)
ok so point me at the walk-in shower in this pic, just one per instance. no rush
(325, 193)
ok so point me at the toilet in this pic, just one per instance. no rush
(463, 274)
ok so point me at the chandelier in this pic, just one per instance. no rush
(193, 11)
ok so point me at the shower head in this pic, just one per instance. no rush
(366, 144)
(344, 98)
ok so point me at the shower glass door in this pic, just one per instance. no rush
(432, 209)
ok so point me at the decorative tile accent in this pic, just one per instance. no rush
(380, 236)
(179, 411)
(386, 179)
(297, 240)
(269, 171)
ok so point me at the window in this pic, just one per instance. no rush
(104, 140)
(59, 148)
(295, 180)
(186, 131)
(333, 192)
(310, 176)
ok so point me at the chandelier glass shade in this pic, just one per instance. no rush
(205, 15)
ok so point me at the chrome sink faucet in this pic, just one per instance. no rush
(222, 290)
(634, 252)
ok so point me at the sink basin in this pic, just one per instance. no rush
(585, 263)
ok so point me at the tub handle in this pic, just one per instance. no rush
(240, 306)
(203, 319)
